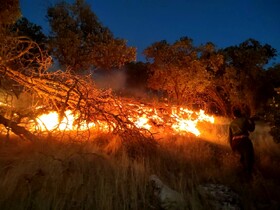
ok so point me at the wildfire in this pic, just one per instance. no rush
(174, 119)
(51, 121)
(187, 120)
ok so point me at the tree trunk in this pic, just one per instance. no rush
(18, 130)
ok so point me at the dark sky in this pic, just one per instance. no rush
(143, 22)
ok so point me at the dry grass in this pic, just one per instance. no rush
(101, 174)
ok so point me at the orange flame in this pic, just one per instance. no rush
(179, 120)
(50, 121)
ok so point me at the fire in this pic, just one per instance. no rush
(142, 122)
(174, 119)
(189, 123)
(50, 121)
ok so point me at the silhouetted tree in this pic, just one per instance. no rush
(23, 27)
(243, 75)
(273, 75)
(272, 111)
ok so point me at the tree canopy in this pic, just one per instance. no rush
(183, 71)
(79, 40)
(9, 12)
(218, 79)
(244, 75)
(23, 27)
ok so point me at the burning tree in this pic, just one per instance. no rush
(22, 71)
(73, 99)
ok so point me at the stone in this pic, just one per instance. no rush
(168, 198)
(219, 197)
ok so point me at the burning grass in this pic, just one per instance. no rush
(100, 173)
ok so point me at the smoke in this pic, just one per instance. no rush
(115, 79)
(261, 137)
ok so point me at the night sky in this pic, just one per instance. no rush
(143, 22)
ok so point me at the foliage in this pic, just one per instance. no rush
(272, 112)
(211, 59)
(78, 39)
(213, 96)
(175, 70)
(113, 54)
(9, 12)
(212, 79)
(244, 78)
(273, 75)
(249, 54)
(185, 72)
(23, 27)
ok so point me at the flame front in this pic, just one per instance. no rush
(187, 120)
(51, 121)
(178, 120)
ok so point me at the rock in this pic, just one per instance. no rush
(168, 199)
(220, 197)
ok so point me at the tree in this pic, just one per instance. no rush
(19, 50)
(273, 74)
(26, 35)
(181, 71)
(243, 75)
(272, 111)
(23, 27)
(214, 95)
(61, 91)
(78, 39)
(248, 54)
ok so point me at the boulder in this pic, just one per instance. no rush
(167, 198)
